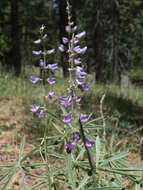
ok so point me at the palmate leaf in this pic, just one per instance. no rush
(115, 171)
(11, 176)
(29, 154)
(114, 157)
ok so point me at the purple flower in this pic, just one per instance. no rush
(65, 40)
(84, 67)
(68, 28)
(51, 80)
(77, 61)
(36, 52)
(84, 87)
(66, 118)
(50, 95)
(51, 51)
(52, 66)
(78, 99)
(89, 143)
(34, 108)
(81, 75)
(83, 118)
(37, 41)
(74, 28)
(71, 23)
(70, 145)
(79, 82)
(41, 114)
(76, 41)
(69, 90)
(83, 50)
(65, 101)
(42, 64)
(34, 79)
(77, 49)
(80, 35)
(62, 48)
(76, 136)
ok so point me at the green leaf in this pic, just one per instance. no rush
(83, 182)
(80, 153)
(30, 153)
(37, 185)
(6, 185)
(23, 180)
(58, 128)
(115, 157)
(106, 188)
(55, 154)
(21, 149)
(97, 150)
(70, 170)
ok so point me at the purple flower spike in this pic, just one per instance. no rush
(53, 66)
(68, 28)
(80, 35)
(66, 118)
(50, 95)
(65, 40)
(34, 108)
(62, 48)
(41, 114)
(83, 50)
(42, 64)
(76, 136)
(89, 143)
(51, 80)
(36, 52)
(34, 79)
(77, 61)
(83, 118)
(85, 87)
(37, 41)
(51, 51)
(70, 145)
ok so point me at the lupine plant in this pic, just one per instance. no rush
(77, 156)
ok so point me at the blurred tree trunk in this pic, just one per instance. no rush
(16, 56)
(115, 60)
(99, 40)
(63, 22)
